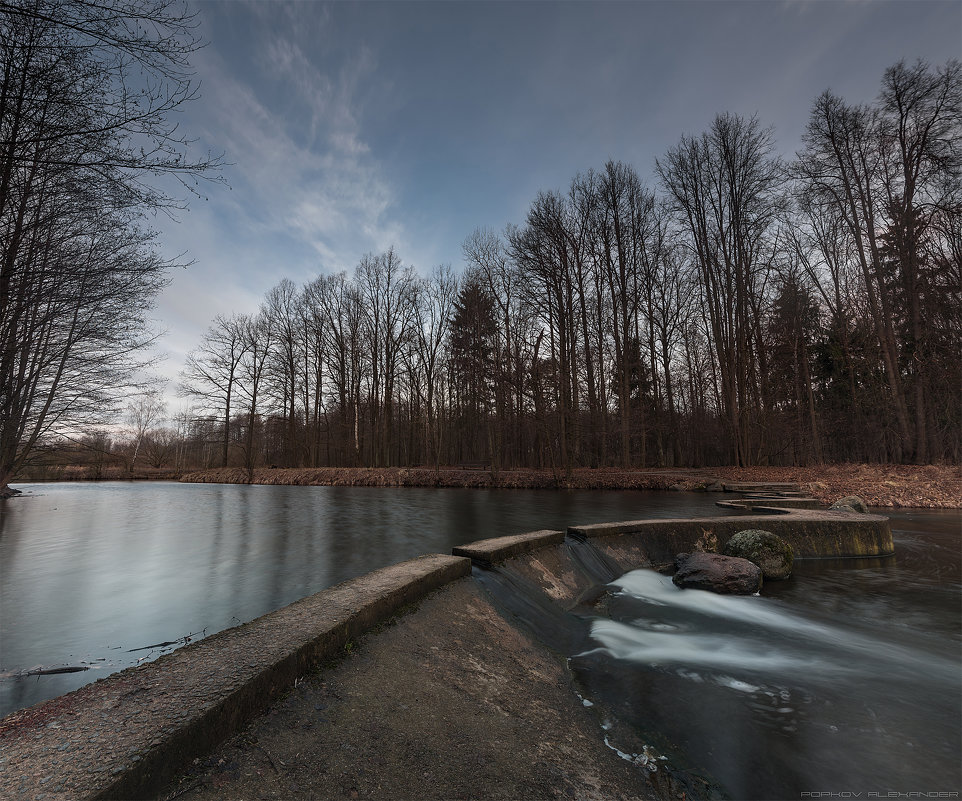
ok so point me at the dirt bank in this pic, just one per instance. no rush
(920, 486)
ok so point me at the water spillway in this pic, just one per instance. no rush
(770, 699)
(567, 580)
(845, 676)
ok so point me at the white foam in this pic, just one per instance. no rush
(623, 641)
(778, 637)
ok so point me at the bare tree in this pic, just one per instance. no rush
(438, 295)
(211, 372)
(841, 165)
(723, 186)
(82, 159)
(669, 311)
(921, 140)
(488, 257)
(258, 340)
(282, 312)
(160, 446)
(542, 250)
(143, 414)
(336, 304)
(889, 171)
(386, 287)
(313, 355)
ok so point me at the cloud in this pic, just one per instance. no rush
(302, 168)
(307, 194)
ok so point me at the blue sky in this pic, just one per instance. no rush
(351, 127)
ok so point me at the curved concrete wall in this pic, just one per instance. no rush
(812, 533)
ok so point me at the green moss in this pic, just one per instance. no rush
(770, 552)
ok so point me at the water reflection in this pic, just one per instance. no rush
(89, 572)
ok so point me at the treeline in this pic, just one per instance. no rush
(750, 310)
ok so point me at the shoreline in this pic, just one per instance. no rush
(884, 486)
(879, 485)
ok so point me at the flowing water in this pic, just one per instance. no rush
(104, 576)
(844, 679)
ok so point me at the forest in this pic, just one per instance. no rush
(745, 310)
(736, 308)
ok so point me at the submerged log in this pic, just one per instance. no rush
(51, 671)
(159, 645)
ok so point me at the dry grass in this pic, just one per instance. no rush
(893, 485)
(925, 486)
(74, 472)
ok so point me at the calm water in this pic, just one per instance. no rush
(844, 679)
(94, 574)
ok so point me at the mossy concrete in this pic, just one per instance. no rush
(563, 572)
(812, 534)
(777, 502)
(498, 549)
(771, 487)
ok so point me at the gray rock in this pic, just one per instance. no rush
(769, 551)
(851, 502)
(727, 575)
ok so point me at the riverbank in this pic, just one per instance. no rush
(915, 486)
(71, 472)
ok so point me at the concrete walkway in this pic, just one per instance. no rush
(451, 702)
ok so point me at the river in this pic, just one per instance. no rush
(843, 679)
(93, 574)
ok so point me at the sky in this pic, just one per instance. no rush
(352, 127)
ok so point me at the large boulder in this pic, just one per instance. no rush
(712, 571)
(769, 551)
(850, 503)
